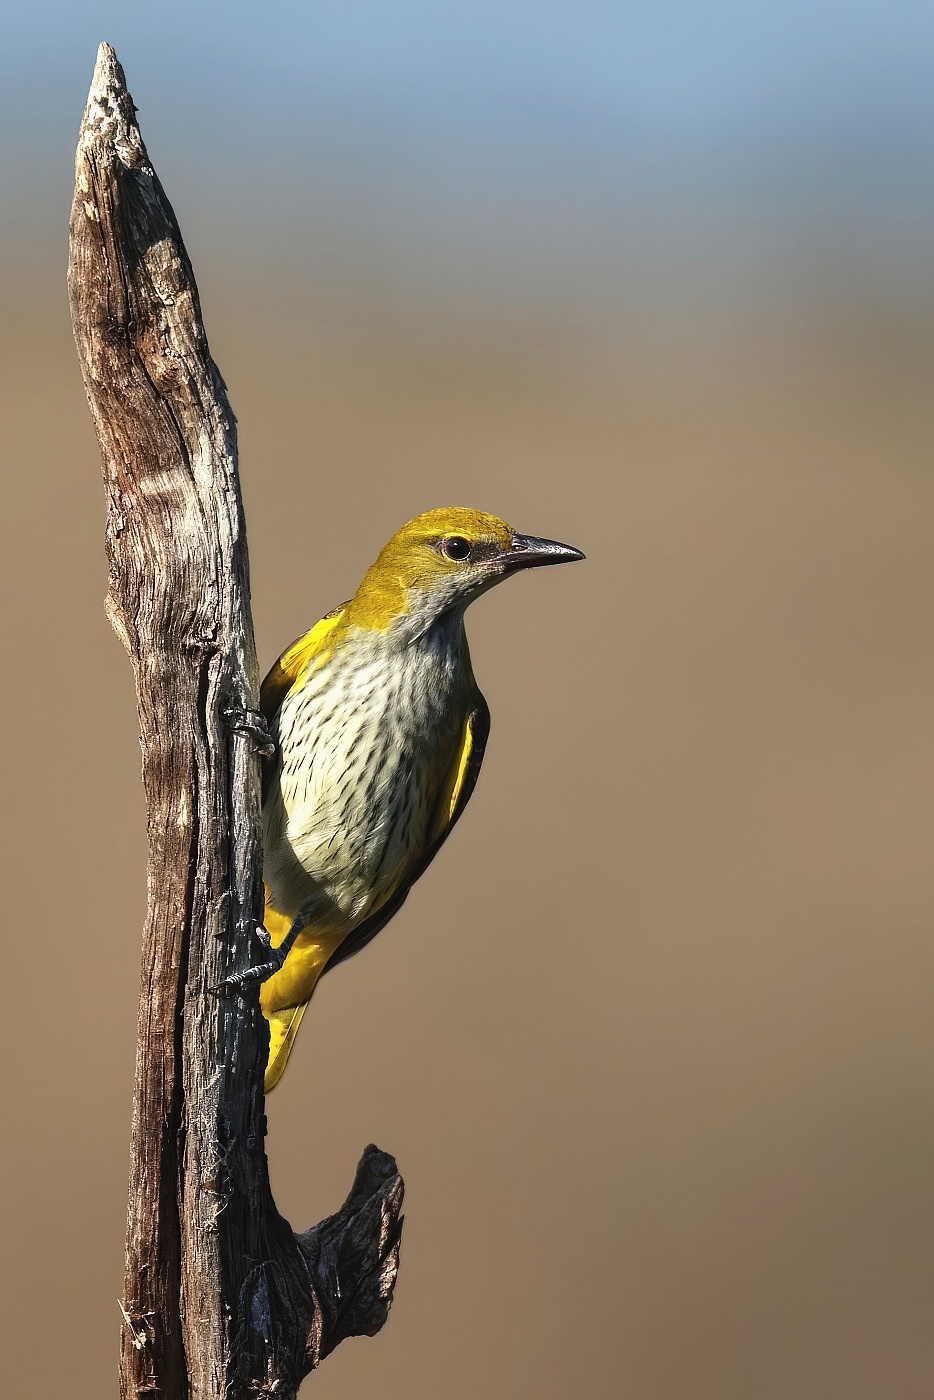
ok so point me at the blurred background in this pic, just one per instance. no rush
(656, 279)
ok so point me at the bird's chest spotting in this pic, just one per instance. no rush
(365, 749)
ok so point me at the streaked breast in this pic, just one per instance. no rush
(365, 746)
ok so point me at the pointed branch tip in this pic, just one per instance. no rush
(109, 79)
(109, 123)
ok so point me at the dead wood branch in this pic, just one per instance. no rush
(221, 1297)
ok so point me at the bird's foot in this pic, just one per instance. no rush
(253, 724)
(241, 981)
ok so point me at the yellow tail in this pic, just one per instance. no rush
(283, 1028)
(285, 995)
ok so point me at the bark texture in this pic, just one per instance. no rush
(222, 1298)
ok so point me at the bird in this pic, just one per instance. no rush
(379, 731)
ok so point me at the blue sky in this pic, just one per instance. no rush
(680, 80)
(514, 126)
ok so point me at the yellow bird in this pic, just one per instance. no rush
(379, 730)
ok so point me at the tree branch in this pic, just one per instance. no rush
(221, 1297)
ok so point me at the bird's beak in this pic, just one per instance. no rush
(530, 552)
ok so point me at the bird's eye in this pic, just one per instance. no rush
(456, 547)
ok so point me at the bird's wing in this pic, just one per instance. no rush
(455, 794)
(462, 779)
(285, 672)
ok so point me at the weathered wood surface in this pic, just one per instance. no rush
(221, 1297)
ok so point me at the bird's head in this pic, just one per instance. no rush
(441, 561)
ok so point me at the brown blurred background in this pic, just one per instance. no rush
(661, 1070)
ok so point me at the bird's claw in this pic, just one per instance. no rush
(253, 724)
(240, 981)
